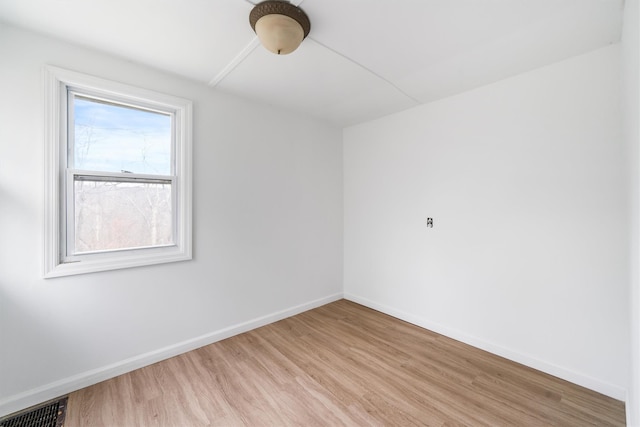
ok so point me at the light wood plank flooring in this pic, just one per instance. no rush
(340, 364)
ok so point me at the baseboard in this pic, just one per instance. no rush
(607, 389)
(627, 402)
(67, 385)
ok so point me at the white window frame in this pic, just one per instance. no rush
(58, 177)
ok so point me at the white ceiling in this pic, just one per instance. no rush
(363, 58)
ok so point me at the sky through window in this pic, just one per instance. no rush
(116, 138)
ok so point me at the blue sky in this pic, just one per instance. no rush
(112, 138)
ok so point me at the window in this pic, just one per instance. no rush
(117, 178)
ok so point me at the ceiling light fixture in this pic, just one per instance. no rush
(280, 26)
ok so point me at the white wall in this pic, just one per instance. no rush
(631, 112)
(525, 180)
(267, 234)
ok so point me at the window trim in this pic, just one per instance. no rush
(57, 81)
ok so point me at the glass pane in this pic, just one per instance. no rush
(121, 215)
(117, 138)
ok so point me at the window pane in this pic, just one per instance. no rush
(121, 215)
(116, 138)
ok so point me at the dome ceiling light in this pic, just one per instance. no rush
(280, 26)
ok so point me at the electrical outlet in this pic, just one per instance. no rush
(430, 222)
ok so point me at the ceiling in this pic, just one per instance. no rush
(363, 59)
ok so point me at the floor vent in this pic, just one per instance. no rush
(50, 414)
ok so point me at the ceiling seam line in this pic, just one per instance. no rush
(234, 63)
(368, 70)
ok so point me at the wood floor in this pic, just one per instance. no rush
(340, 364)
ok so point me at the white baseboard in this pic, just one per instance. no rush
(627, 403)
(549, 368)
(65, 386)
